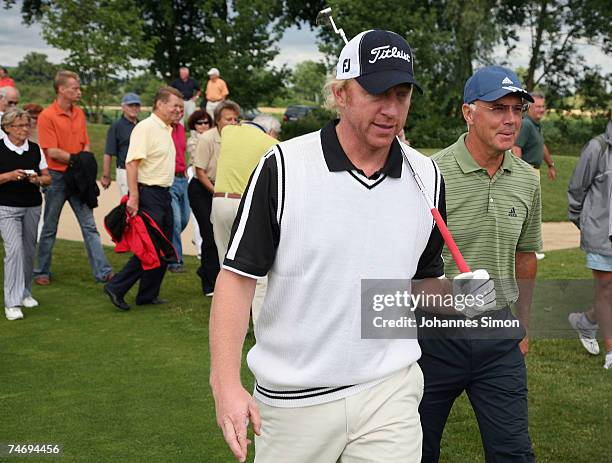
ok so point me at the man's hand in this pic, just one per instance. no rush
(235, 408)
(552, 173)
(479, 285)
(524, 345)
(105, 181)
(132, 206)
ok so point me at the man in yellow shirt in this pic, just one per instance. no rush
(201, 188)
(242, 147)
(216, 91)
(150, 173)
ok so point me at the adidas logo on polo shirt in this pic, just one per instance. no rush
(512, 212)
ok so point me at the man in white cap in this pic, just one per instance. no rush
(321, 213)
(216, 91)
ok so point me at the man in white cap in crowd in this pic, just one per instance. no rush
(321, 213)
(216, 91)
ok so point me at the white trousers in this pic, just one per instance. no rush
(378, 425)
(210, 108)
(222, 215)
(121, 179)
(18, 227)
(190, 107)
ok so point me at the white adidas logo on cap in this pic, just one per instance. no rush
(507, 80)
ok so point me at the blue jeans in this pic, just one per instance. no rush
(55, 197)
(180, 213)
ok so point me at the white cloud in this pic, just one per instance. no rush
(17, 39)
(297, 45)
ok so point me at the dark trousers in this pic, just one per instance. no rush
(200, 200)
(156, 202)
(492, 373)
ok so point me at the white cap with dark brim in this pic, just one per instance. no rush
(378, 60)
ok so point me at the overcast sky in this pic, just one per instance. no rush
(16, 40)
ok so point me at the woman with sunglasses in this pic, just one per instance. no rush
(23, 171)
(199, 122)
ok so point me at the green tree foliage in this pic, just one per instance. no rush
(236, 36)
(35, 69)
(144, 85)
(308, 79)
(556, 29)
(447, 38)
(595, 91)
(102, 38)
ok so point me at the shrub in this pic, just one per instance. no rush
(310, 123)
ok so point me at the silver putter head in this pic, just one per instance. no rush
(323, 17)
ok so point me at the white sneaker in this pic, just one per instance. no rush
(540, 255)
(608, 362)
(13, 313)
(586, 330)
(29, 302)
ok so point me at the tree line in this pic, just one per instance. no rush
(106, 40)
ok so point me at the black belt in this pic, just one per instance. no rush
(154, 187)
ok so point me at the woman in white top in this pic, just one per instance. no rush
(23, 171)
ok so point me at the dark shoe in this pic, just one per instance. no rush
(108, 277)
(156, 301)
(177, 269)
(42, 281)
(116, 300)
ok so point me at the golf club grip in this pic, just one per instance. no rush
(450, 242)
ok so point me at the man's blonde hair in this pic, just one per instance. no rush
(328, 92)
(62, 78)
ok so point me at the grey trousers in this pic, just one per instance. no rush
(18, 226)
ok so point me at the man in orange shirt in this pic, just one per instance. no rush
(216, 91)
(62, 136)
(5, 80)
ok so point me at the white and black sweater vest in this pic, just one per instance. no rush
(334, 232)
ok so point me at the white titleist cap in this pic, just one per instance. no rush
(378, 60)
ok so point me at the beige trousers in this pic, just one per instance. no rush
(222, 215)
(378, 425)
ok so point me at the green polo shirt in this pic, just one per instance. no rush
(490, 218)
(531, 141)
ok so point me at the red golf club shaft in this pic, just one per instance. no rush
(450, 242)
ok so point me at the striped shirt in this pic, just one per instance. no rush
(491, 218)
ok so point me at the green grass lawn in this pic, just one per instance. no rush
(133, 387)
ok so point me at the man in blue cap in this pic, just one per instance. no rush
(493, 211)
(118, 142)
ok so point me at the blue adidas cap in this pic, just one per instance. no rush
(491, 83)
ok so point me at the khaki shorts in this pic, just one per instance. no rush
(378, 425)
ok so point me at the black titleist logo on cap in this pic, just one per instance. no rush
(384, 50)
